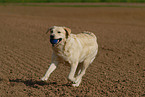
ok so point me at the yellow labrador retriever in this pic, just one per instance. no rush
(79, 50)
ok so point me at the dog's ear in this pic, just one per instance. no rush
(49, 30)
(68, 31)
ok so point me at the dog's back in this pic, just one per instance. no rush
(87, 39)
(89, 33)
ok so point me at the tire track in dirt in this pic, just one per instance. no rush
(15, 62)
(19, 61)
(40, 58)
(35, 63)
(10, 57)
(7, 67)
(11, 68)
(29, 64)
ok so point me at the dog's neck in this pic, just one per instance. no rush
(60, 49)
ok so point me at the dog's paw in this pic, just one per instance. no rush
(44, 78)
(72, 79)
(75, 85)
(77, 82)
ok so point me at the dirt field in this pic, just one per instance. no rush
(25, 51)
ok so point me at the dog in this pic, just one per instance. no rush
(79, 50)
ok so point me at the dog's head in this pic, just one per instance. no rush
(58, 34)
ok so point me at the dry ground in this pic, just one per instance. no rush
(25, 51)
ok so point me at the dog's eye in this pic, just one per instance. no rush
(58, 32)
(51, 31)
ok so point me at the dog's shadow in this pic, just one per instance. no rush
(35, 83)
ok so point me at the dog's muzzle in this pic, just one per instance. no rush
(55, 42)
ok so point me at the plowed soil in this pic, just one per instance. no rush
(25, 51)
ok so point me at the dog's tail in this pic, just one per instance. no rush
(90, 33)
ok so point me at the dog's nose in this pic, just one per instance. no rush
(51, 36)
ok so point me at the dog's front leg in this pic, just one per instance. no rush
(51, 68)
(72, 72)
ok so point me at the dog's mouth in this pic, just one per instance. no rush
(55, 42)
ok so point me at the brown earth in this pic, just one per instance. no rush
(25, 51)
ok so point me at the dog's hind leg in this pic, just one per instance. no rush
(83, 70)
(79, 68)
(71, 75)
(78, 71)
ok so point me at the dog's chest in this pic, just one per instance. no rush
(65, 55)
(70, 51)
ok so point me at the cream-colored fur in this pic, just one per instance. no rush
(79, 50)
